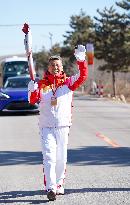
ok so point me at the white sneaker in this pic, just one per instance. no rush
(60, 190)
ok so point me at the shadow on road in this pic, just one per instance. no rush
(92, 155)
(99, 155)
(10, 114)
(15, 158)
(15, 196)
(83, 190)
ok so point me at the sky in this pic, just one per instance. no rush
(14, 13)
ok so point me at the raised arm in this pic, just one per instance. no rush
(75, 81)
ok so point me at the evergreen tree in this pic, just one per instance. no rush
(110, 39)
(82, 30)
(124, 4)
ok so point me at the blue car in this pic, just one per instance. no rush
(14, 95)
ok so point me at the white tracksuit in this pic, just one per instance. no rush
(54, 123)
(54, 149)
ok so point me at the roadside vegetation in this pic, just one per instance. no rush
(109, 32)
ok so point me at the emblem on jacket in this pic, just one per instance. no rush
(45, 88)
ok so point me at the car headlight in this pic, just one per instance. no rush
(4, 96)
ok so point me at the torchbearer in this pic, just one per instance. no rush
(54, 92)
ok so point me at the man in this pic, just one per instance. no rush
(55, 92)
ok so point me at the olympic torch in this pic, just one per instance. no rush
(28, 49)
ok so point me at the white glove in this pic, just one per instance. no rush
(32, 86)
(80, 53)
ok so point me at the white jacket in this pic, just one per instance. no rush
(61, 114)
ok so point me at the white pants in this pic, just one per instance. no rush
(54, 149)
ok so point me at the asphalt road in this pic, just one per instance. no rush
(98, 169)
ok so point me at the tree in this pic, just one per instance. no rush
(110, 31)
(124, 4)
(82, 30)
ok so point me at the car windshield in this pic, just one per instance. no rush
(19, 67)
(17, 83)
